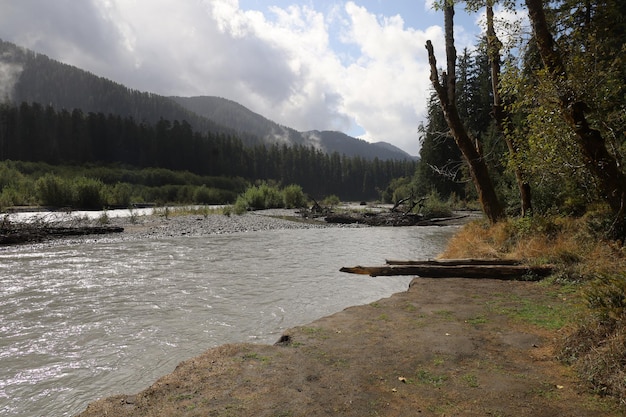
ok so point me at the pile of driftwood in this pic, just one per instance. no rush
(391, 218)
(16, 233)
(505, 269)
(375, 219)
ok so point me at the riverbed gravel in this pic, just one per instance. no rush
(159, 226)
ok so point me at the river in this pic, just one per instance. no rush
(80, 321)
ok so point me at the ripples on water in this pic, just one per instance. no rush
(83, 321)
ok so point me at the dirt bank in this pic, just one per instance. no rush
(446, 347)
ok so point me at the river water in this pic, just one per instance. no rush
(79, 321)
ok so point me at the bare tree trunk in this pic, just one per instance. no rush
(598, 160)
(499, 113)
(446, 91)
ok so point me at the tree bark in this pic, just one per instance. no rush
(499, 113)
(447, 96)
(456, 262)
(596, 156)
(504, 272)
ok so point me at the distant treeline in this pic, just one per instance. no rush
(94, 187)
(33, 132)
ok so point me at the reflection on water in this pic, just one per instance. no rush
(84, 321)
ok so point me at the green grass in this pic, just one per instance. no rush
(426, 377)
(257, 357)
(445, 314)
(552, 315)
(471, 380)
(477, 320)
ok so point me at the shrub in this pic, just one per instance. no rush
(9, 176)
(434, 207)
(263, 196)
(53, 191)
(240, 206)
(120, 194)
(397, 189)
(17, 195)
(205, 195)
(596, 348)
(293, 197)
(273, 196)
(331, 201)
(87, 194)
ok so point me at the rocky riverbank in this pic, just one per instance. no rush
(159, 226)
(53, 230)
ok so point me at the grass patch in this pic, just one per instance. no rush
(445, 314)
(438, 361)
(477, 320)
(426, 377)
(409, 308)
(256, 357)
(181, 397)
(546, 316)
(588, 266)
(315, 332)
(470, 380)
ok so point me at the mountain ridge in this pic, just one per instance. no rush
(44, 80)
(215, 108)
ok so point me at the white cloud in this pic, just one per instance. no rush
(9, 74)
(510, 24)
(296, 65)
(386, 90)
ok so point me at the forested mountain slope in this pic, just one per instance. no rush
(39, 79)
(234, 115)
(35, 78)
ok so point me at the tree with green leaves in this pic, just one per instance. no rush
(582, 80)
(445, 87)
(500, 115)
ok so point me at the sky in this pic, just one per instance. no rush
(358, 66)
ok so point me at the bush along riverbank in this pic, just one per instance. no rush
(450, 346)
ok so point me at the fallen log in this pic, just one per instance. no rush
(452, 262)
(24, 233)
(503, 272)
(440, 221)
(375, 219)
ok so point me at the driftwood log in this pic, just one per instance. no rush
(457, 268)
(389, 219)
(25, 233)
(453, 262)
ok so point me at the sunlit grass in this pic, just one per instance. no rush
(588, 286)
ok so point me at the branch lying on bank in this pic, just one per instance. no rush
(16, 233)
(452, 262)
(392, 218)
(456, 268)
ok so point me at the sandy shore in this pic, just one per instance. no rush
(445, 347)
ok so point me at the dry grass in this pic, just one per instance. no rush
(596, 346)
(567, 243)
